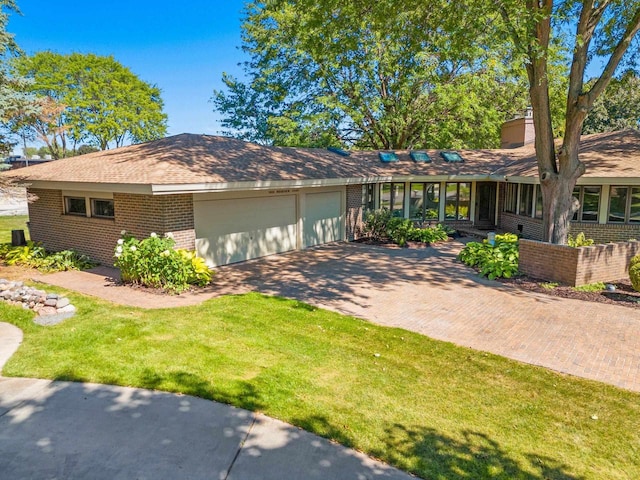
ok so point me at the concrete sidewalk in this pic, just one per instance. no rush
(52, 429)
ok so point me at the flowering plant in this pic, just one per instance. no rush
(154, 262)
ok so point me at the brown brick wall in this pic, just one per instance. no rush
(606, 233)
(137, 214)
(354, 212)
(576, 266)
(531, 228)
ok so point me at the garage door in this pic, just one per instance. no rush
(229, 231)
(322, 219)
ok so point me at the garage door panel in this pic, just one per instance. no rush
(229, 231)
(322, 219)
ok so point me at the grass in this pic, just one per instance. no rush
(428, 407)
(8, 223)
(549, 285)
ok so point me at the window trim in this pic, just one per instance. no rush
(579, 215)
(457, 201)
(94, 209)
(68, 210)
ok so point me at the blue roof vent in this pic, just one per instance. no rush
(419, 156)
(339, 151)
(452, 157)
(388, 157)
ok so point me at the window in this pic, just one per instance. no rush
(424, 201)
(526, 200)
(420, 156)
(457, 201)
(589, 198)
(452, 157)
(624, 205)
(102, 208)
(511, 198)
(392, 198)
(538, 211)
(75, 206)
(387, 157)
(368, 198)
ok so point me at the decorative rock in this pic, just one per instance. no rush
(67, 309)
(47, 311)
(62, 302)
(51, 308)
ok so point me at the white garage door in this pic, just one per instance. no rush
(229, 231)
(322, 219)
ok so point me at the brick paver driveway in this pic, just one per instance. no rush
(428, 291)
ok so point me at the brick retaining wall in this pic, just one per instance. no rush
(576, 266)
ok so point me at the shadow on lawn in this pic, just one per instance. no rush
(427, 453)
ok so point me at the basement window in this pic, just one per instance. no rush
(102, 208)
(75, 206)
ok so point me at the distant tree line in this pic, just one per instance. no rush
(74, 102)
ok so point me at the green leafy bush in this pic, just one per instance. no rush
(154, 262)
(380, 225)
(375, 224)
(634, 272)
(34, 255)
(580, 241)
(493, 261)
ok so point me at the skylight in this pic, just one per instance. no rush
(451, 157)
(387, 157)
(339, 151)
(419, 156)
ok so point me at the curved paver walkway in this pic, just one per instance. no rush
(427, 291)
(69, 430)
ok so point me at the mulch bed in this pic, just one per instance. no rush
(624, 295)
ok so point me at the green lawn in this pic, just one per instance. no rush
(8, 223)
(428, 407)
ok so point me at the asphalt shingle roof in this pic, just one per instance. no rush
(205, 159)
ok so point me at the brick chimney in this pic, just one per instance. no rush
(518, 132)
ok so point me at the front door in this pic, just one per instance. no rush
(486, 204)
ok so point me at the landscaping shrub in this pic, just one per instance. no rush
(580, 241)
(493, 261)
(375, 224)
(154, 262)
(634, 272)
(380, 225)
(34, 255)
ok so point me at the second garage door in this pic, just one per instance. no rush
(322, 219)
(234, 230)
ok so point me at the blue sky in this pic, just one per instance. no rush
(182, 47)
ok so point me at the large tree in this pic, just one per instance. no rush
(89, 98)
(617, 108)
(14, 99)
(601, 31)
(371, 74)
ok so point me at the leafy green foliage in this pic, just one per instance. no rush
(86, 97)
(372, 75)
(155, 263)
(590, 287)
(579, 241)
(634, 272)
(380, 225)
(14, 94)
(493, 261)
(617, 108)
(34, 255)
